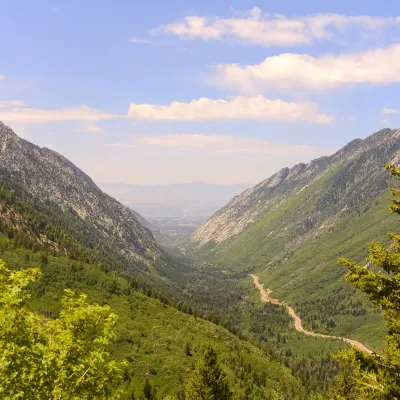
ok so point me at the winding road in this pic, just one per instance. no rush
(266, 298)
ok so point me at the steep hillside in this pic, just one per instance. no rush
(292, 228)
(160, 343)
(342, 181)
(50, 177)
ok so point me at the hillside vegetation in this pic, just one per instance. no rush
(292, 227)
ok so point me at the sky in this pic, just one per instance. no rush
(226, 91)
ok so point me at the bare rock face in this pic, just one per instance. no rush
(51, 177)
(346, 178)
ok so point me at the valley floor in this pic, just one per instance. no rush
(266, 298)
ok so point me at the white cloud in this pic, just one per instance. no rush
(2, 77)
(380, 66)
(39, 116)
(222, 144)
(260, 28)
(384, 121)
(11, 103)
(235, 108)
(390, 111)
(87, 129)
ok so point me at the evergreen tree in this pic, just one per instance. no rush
(208, 380)
(377, 376)
(188, 350)
(147, 390)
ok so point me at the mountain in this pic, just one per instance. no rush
(292, 228)
(346, 179)
(50, 177)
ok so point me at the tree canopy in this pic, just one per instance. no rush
(208, 380)
(53, 358)
(377, 376)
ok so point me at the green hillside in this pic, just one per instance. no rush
(152, 336)
(263, 355)
(294, 246)
(309, 277)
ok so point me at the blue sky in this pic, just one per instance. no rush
(179, 91)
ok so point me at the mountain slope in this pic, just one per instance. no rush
(152, 336)
(291, 229)
(356, 174)
(51, 177)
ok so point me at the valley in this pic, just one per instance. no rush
(199, 200)
(174, 290)
(265, 297)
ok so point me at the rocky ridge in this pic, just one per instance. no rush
(351, 174)
(51, 177)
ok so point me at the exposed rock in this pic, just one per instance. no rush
(50, 176)
(352, 174)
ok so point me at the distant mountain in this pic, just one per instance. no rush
(173, 193)
(175, 210)
(50, 177)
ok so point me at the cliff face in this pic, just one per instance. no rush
(51, 177)
(343, 180)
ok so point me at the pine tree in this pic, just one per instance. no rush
(188, 350)
(147, 390)
(208, 380)
(377, 376)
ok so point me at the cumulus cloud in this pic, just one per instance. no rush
(380, 66)
(390, 111)
(239, 107)
(39, 116)
(260, 28)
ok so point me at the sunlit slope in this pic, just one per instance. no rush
(295, 244)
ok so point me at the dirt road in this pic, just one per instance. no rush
(265, 297)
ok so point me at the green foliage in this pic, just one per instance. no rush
(52, 359)
(208, 380)
(377, 376)
(151, 335)
(293, 248)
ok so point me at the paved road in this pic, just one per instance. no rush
(265, 297)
